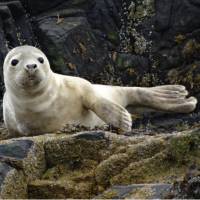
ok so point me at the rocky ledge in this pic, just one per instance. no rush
(100, 164)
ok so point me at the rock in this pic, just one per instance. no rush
(38, 7)
(178, 54)
(179, 22)
(189, 187)
(71, 45)
(82, 38)
(12, 183)
(24, 155)
(114, 164)
(121, 160)
(85, 145)
(86, 164)
(136, 191)
(133, 69)
(165, 122)
(61, 189)
(105, 17)
(15, 30)
(160, 33)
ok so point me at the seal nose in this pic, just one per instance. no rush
(31, 67)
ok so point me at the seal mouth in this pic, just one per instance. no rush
(32, 77)
(31, 80)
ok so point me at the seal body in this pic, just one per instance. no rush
(39, 101)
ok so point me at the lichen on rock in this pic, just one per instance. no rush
(86, 164)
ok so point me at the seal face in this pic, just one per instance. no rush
(25, 67)
(39, 101)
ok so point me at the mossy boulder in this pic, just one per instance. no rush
(91, 164)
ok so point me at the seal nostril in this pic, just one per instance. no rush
(34, 66)
(31, 66)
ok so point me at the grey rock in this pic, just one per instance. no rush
(17, 149)
(71, 45)
(4, 169)
(15, 30)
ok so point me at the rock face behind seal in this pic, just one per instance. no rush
(160, 39)
(77, 37)
(142, 43)
(15, 30)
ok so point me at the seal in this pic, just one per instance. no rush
(39, 101)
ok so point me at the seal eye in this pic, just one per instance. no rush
(41, 60)
(14, 62)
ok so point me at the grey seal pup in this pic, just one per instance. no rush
(39, 101)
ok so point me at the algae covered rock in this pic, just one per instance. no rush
(12, 183)
(24, 155)
(85, 146)
(21, 161)
(101, 164)
(188, 187)
(136, 191)
(166, 34)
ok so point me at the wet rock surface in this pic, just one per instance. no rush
(102, 164)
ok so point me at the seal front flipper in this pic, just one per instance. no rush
(107, 110)
(113, 114)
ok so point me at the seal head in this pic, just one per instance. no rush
(25, 67)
